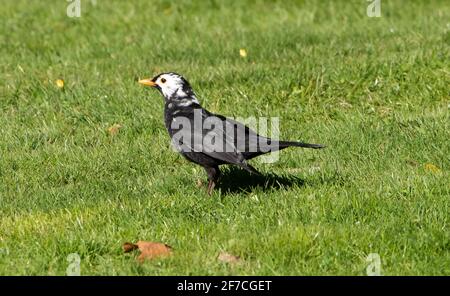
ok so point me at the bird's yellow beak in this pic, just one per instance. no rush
(147, 82)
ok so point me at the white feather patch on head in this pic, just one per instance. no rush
(170, 85)
(181, 93)
(176, 89)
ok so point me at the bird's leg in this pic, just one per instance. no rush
(211, 185)
(213, 176)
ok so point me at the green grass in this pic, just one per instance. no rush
(374, 90)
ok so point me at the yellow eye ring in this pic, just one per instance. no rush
(163, 80)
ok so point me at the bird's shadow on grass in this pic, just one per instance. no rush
(236, 180)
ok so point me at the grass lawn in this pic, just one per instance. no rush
(374, 90)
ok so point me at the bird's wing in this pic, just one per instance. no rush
(249, 143)
(245, 139)
(207, 133)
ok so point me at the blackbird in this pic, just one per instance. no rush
(209, 139)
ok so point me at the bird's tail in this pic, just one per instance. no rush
(285, 144)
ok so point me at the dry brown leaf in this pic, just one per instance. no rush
(199, 183)
(114, 129)
(128, 247)
(149, 250)
(228, 258)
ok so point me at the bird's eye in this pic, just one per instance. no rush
(163, 80)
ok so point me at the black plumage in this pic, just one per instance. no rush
(208, 139)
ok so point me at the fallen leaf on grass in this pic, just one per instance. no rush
(228, 258)
(114, 129)
(243, 52)
(60, 83)
(149, 250)
(128, 247)
(432, 168)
